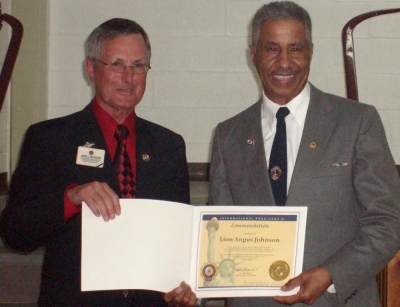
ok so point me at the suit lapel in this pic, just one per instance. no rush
(254, 155)
(90, 131)
(316, 134)
(145, 158)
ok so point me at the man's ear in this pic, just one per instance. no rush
(252, 54)
(89, 67)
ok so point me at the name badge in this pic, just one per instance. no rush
(90, 157)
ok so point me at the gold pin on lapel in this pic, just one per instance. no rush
(145, 157)
(313, 145)
(250, 142)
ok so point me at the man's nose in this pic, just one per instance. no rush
(128, 74)
(284, 59)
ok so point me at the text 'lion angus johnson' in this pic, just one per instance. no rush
(249, 240)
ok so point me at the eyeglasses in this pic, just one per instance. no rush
(119, 67)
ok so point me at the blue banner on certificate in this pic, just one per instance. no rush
(220, 251)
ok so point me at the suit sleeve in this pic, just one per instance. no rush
(35, 210)
(377, 189)
(220, 193)
(181, 177)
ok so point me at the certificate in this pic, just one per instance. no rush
(221, 251)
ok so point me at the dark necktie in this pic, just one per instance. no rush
(278, 159)
(123, 165)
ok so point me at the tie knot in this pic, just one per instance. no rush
(282, 113)
(121, 133)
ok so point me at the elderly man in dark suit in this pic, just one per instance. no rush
(96, 156)
(335, 160)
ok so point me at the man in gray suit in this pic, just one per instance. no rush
(339, 165)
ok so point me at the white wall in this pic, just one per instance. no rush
(5, 35)
(201, 72)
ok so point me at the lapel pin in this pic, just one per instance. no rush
(313, 145)
(250, 142)
(275, 173)
(145, 157)
(89, 145)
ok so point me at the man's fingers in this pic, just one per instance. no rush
(99, 197)
(169, 296)
(188, 299)
(312, 284)
(181, 296)
(291, 284)
(106, 200)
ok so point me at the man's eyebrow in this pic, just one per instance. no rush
(134, 62)
(141, 60)
(291, 45)
(270, 44)
(117, 60)
(301, 44)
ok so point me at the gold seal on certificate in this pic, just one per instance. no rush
(279, 270)
(209, 271)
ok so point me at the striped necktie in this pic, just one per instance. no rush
(123, 165)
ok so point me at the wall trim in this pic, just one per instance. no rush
(197, 171)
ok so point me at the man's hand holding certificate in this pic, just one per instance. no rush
(221, 251)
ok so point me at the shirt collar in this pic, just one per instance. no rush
(298, 107)
(108, 124)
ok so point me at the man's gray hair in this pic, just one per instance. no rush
(111, 29)
(280, 10)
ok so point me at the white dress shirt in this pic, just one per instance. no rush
(298, 107)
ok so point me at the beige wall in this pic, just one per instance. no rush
(26, 101)
(29, 82)
(201, 72)
(200, 68)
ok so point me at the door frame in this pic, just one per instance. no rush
(28, 99)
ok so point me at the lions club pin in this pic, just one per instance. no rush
(275, 173)
(145, 157)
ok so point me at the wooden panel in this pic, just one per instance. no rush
(393, 278)
(382, 281)
(199, 171)
(3, 184)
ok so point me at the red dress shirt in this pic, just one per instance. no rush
(108, 127)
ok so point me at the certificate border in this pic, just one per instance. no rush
(213, 292)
